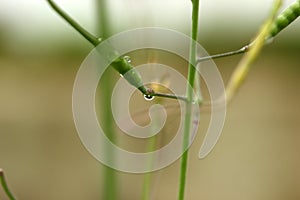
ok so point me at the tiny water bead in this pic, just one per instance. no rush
(127, 59)
(148, 97)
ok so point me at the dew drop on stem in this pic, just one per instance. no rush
(148, 97)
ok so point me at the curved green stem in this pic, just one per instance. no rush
(189, 94)
(243, 67)
(95, 41)
(120, 64)
(5, 186)
(285, 18)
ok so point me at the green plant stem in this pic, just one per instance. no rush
(148, 176)
(5, 186)
(189, 94)
(170, 96)
(132, 76)
(222, 55)
(146, 193)
(243, 67)
(284, 19)
(92, 39)
(110, 180)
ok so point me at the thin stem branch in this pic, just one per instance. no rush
(151, 93)
(87, 35)
(243, 67)
(221, 55)
(189, 94)
(5, 186)
(284, 19)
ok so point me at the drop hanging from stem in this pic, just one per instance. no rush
(148, 97)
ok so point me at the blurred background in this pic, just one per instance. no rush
(257, 156)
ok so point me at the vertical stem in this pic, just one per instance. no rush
(189, 94)
(148, 176)
(110, 178)
(146, 193)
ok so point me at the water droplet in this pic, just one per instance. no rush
(148, 97)
(121, 76)
(127, 59)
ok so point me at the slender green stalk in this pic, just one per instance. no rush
(285, 18)
(5, 186)
(148, 176)
(189, 94)
(95, 41)
(120, 64)
(243, 67)
(110, 180)
(146, 193)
